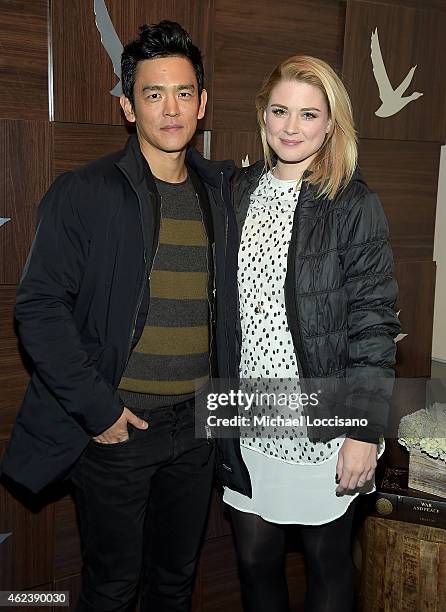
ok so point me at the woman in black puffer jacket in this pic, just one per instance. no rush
(315, 292)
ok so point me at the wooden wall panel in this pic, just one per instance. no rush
(198, 141)
(24, 59)
(13, 375)
(405, 176)
(438, 5)
(407, 37)
(26, 555)
(251, 37)
(219, 577)
(296, 578)
(25, 170)
(218, 523)
(82, 87)
(416, 282)
(236, 145)
(76, 144)
(67, 547)
(71, 584)
(220, 583)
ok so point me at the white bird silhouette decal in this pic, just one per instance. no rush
(110, 41)
(4, 220)
(399, 336)
(4, 536)
(392, 99)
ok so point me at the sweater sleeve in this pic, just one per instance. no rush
(371, 292)
(44, 310)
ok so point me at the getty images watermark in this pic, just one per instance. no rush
(360, 402)
(248, 405)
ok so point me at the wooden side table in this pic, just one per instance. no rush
(403, 567)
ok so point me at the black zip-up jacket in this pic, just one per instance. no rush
(83, 299)
(339, 294)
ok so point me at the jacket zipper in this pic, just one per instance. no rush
(293, 316)
(146, 275)
(226, 246)
(226, 216)
(207, 292)
(138, 306)
(158, 241)
(206, 427)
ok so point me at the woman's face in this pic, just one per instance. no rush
(296, 121)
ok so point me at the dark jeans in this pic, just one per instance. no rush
(142, 506)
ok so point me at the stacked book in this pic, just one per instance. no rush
(395, 500)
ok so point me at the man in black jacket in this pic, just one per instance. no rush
(115, 309)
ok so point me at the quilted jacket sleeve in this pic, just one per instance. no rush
(45, 300)
(371, 291)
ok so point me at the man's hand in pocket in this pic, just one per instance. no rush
(118, 432)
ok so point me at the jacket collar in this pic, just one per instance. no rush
(135, 165)
(252, 174)
(210, 172)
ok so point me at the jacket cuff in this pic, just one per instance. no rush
(100, 418)
(362, 435)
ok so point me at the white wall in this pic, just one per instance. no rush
(439, 334)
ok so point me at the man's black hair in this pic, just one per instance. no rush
(164, 39)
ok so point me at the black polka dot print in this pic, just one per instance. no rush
(267, 352)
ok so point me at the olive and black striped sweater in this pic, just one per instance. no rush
(171, 359)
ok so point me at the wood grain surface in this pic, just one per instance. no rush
(407, 37)
(83, 72)
(13, 374)
(24, 59)
(416, 282)
(26, 556)
(25, 175)
(236, 145)
(405, 176)
(404, 567)
(253, 36)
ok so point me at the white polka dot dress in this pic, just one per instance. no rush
(293, 479)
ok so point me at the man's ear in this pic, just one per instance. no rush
(127, 107)
(202, 107)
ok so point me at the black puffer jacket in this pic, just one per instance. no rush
(339, 293)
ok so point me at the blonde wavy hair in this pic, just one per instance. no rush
(336, 160)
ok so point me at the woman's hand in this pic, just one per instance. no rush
(356, 464)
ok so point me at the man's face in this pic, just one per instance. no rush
(167, 104)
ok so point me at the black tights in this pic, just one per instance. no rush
(261, 557)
